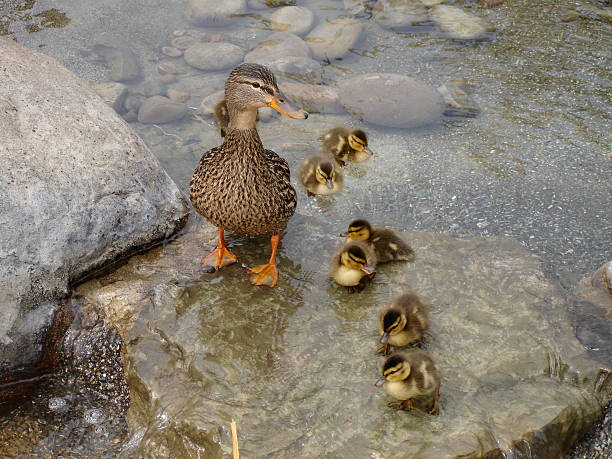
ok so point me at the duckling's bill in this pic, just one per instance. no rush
(380, 381)
(368, 270)
(285, 108)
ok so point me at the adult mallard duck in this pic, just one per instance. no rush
(240, 186)
(346, 145)
(387, 243)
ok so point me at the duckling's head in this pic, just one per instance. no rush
(393, 322)
(358, 141)
(395, 368)
(253, 86)
(353, 257)
(325, 174)
(359, 230)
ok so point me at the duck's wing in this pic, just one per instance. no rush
(278, 164)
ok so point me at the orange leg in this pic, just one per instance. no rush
(219, 257)
(266, 274)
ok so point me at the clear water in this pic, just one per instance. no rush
(534, 166)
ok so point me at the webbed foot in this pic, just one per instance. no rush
(264, 275)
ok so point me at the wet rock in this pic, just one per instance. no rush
(459, 101)
(122, 62)
(298, 68)
(333, 39)
(294, 19)
(396, 14)
(456, 23)
(258, 5)
(277, 46)
(159, 109)
(357, 7)
(183, 42)
(391, 100)
(213, 56)
(114, 94)
(133, 102)
(177, 96)
(515, 379)
(98, 194)
(150, 88)
(168, 78)
(313, 98)
(214, 13)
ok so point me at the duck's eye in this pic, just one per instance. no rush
(256, 85)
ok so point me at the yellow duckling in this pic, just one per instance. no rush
(347, 145)
(221, 116)
(319, 176)
(353, 266)
(387, 243)
(409, 375)
(403, 322)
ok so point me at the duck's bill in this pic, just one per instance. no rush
(330, 184)
(369, 270)
(345, 234)
(380, 381)
(368, 151)
(384, 339)
(285, 108)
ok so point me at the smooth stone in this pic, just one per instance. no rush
(214, 13)
(391, 100)
(177, 96)
(276, 46)
(356, 7)
(298, 68)
(459, 101)
(313, 98)
(257, 5)
(183, 42)
(133, 102)
(78, 190)
(168, 78)
(333, 39)
(396, 14)
(213, 56)
(294, 19)
(150, 88)
(122, 62)
(114, 94)
(159, 110)
(457, 24)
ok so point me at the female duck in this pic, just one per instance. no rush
(353, 266)
(346, 145)
(319, 176)
(403, 322)
(409, 375)
(240, 186)
(388, 244)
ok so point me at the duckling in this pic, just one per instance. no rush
(409, 375)
(240, 186)
(353, 266)
(403, 322)
(346, 145)
(319, 176)
(221, 116)
(387, 243)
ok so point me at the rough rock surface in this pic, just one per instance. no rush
(391, 100)
(205, 349)
(77, 189)
(213, 13)
(333, 38)
(213, 56)
(277, 46)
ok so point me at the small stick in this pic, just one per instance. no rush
(235, 451)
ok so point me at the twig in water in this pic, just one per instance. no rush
(235, 452)
(167, 133)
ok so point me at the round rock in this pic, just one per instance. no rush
(313, 98)
(457, 24)
(213, 56)
(298, 68)
(334, 38)
(277, 46)
(294, 19)
(393, 100)
(159, 109)
(213, 13)
(396, 14)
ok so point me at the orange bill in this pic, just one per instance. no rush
(284, 108)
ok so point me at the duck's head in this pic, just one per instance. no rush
(354, 257)
(358, 141)
(326, 174)
(253, 86)
(396, 368)
(393, 322)
(359, 230)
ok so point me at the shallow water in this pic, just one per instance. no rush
(533, 166)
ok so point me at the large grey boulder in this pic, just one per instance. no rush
(78, 188)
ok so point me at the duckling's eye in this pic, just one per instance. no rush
(256, 85)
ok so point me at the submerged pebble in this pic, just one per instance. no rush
(396, 14)
(294, 19)
(177, 96)
(113, 93)
(122, 62)
(159, 109)
(458, 24)
(298, 68)
(213, 13)
(313, 98)
(94, 416)
(183, 42)
(57, 404)
(170, 51)
(278, 45)
(334, 38)
(393, 100)
(213, 56)
(458, 100)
